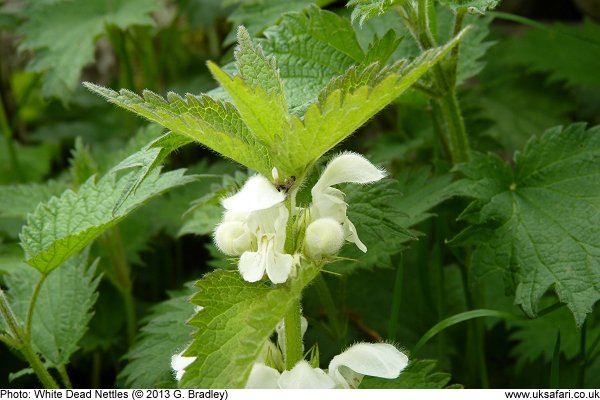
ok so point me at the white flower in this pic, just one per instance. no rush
(328, 202)
(259, 208)
(346, 370)
(179, 363)
(324, 237)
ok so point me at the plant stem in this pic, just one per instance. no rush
(64, 376)
(456, 134)
(14, 330)
(396, 298)
(293, 336)
(38, 367)
(32, 302)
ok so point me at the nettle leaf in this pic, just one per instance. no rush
(19, 200)
(63, 309)
(237, 319)
(311, 48)
(472, 6)
(215, 124)
(364, 10)
(569, 43)
(383, 213)
(65, 225)
(537, 223)
(257, 15)
(164, 334)
(62, 36)
(418, 375)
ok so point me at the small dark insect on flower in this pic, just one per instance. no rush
(286, 185)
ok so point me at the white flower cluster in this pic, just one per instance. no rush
(256, 218)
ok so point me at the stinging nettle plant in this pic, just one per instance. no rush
(304, 208)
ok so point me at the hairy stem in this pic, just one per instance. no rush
(10, 144)
(37, 366)
(32, 302)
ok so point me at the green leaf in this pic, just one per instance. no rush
(536, 338)
(215, 124)
(257, 15)
(419, 374)
(364, 10)
(311, 48)
(66, 224)
(383, 212)
(472, 6)
(537, 223)
(63, 309)
(237, 319)
(19, 200)
(164, 334)
(62, 36)
(568, 43)
(34, 162)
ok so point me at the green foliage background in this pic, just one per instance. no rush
(121, 211)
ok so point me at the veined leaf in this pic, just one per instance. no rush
(237, 319)
(538, 223)
(418, 375)
(347, 107)
(19, 200)
(367, 9)
(63, 309)
(472, 6)
(63, 34)
(215, 124)
(311, 47)
(164, 334)
(67, 224)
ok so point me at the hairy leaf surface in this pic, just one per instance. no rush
(419, 374)
(237, 319)
(63, 309)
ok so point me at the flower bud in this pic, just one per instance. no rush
(324, 237)
(233, 238)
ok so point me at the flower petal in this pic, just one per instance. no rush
(256, 194)
(303, 376)
(252, 265)
(279, 266)
(374, 359)
(179, 363)
(262, 377)
(347, 167)
(353, 236)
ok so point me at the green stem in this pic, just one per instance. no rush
(555, 366)
(9, 341)
(130, 316)
(456, 134)
(64, 376)
(38, 367)
(22, 343)
(396, 299)
(32, 302)
(119, 44)
(293, 335)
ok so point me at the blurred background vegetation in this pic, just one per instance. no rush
(528, 78)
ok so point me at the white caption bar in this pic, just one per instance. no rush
(226, 394)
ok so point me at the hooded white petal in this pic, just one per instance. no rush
(303, 376)
(263, 377)
(179, 363)
(348, 167)
(256, 194)
(374, 359)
